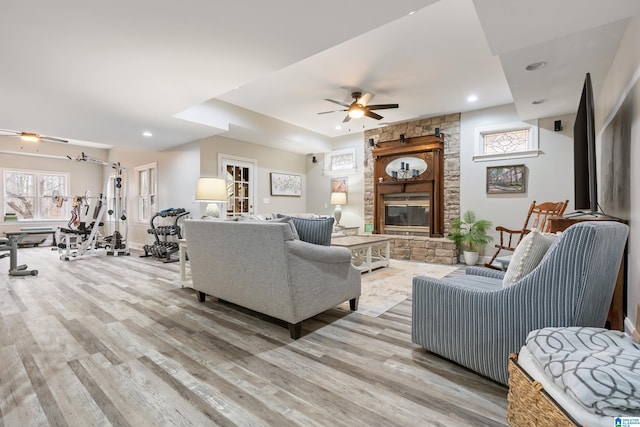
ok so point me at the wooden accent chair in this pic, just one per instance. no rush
(536, 218)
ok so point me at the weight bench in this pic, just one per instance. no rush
(10, 244)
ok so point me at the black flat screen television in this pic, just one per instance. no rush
(584, 153)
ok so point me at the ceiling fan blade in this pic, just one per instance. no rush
(332, 111)
(337, 102)
(53, 139)
(346, 119)
(373, 115)
(365, 99)
(382, 106)
(8, 132)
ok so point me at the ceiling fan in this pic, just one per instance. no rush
(32, 137)
(359, 108)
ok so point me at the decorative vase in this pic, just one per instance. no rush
(470, 257)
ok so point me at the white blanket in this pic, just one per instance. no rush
(598, 368)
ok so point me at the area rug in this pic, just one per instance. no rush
(385, 287)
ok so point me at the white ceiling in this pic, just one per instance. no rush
(105, 72)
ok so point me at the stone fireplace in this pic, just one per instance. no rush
(414, 242)
(449, 126)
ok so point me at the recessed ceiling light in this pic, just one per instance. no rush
(147, 134)
(539, 101)
(536, 66)
(472, 98)
(338, 127)
(412, 12)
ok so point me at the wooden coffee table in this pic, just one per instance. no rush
(367, 251)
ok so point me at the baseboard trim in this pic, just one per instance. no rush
(630, 330)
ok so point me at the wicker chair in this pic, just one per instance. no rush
(474, 321)
(536, 218)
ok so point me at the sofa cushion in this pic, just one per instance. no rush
(527, 255)
(314, 230)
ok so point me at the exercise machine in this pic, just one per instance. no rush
(82, 236)
(166, 235)
(10, 244)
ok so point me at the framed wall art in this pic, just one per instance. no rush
(283, 184)
(506, 179)
(338, 185)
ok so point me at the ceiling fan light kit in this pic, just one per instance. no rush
(356, 111)
(30, 137)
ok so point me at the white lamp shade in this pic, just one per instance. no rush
(211, 190)
(338, 199)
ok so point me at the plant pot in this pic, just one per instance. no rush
(470, 257)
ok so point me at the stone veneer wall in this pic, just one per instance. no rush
(426, 249)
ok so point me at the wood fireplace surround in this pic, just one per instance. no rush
(423, 176)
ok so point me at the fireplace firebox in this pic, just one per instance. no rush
(406, 213)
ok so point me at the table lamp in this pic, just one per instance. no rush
(338, 199)
(212, 191)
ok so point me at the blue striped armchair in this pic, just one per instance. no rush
(474, 321)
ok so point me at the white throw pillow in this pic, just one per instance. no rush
(527, 256)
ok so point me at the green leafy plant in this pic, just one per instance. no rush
(470, 232)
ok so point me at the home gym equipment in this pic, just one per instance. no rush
(82, 235)
(11, 244)
(164, 226)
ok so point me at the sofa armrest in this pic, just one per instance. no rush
(484, 272)
(319, 253)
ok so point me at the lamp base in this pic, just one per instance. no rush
(212, 210)
(337, 214)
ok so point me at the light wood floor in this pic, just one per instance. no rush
(103, 340)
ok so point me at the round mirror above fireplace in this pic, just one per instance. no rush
(406, 167)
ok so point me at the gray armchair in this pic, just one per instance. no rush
(474, 321)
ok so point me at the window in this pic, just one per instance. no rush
(513, 140)
(340, 162)
(147, 191)
(30, 194)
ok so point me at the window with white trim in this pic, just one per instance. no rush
(35, 195)
(508, 141)
(340, 162)
(147, 191)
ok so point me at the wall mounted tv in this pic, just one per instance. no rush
(584, 153)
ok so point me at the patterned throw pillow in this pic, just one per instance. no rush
(527, 256)
(314, 230)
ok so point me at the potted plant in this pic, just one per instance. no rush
(470, 233)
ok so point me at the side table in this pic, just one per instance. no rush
(349, 231)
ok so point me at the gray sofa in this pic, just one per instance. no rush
(263, 266)
(477, 322)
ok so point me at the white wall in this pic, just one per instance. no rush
(178, 171)
(622, 81)
(549, 175)
(269, 160)
(319, 184)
